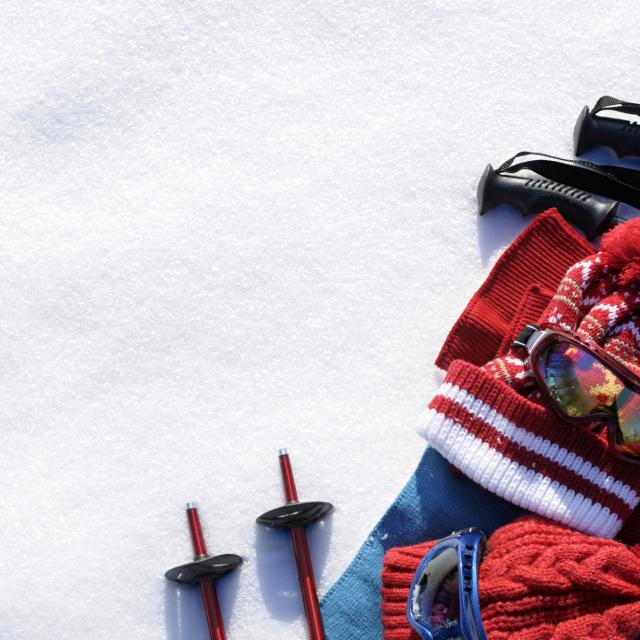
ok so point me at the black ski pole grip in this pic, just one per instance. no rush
(622, 136)
(534, 194)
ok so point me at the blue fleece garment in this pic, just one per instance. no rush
(432, 504)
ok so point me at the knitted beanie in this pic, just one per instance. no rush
(491, 423)
(539, 581)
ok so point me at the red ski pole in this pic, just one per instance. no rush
(204, 570)
(295, 516)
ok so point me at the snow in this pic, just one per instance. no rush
(232, 227)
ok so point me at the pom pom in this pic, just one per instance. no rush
(622, 246)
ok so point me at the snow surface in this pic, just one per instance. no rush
(232, 227)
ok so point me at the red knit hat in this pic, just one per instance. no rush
(481, 421)
(539, 581)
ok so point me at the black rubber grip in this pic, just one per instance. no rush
(622, 136)
(532, 193)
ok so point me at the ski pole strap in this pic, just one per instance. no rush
(616, 183)
(609, 103)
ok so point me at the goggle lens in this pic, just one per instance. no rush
(579, 383)
(628, 431)
(583, 386)
(435, 601)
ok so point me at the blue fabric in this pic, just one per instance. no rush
(432, 504)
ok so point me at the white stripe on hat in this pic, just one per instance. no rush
(556, 454)
(514, 482)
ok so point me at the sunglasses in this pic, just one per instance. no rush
(584, 383)
(443, 600)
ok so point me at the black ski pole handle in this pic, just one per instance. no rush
(619, 134)
(532, 193)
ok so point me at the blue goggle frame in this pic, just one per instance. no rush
(469, 545)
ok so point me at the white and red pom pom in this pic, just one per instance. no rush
(622, 246)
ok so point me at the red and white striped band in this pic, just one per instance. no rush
(524, 453)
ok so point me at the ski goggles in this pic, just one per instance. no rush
(584, 383)
(443, 600)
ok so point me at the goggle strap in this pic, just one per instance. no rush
(523, 337)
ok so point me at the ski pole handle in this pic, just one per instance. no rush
(591, 130)
(532, 193)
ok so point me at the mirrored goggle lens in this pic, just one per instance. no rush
(628, 431)
(579, 383)
(582, 386)
(435, 601)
